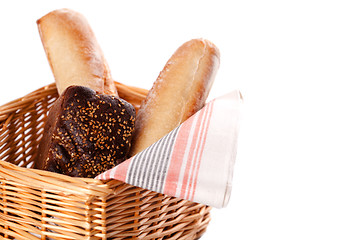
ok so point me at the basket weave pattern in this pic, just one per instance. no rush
(36, 204)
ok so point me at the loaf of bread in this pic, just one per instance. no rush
(74, 55)
(86, 133)
(180, 90)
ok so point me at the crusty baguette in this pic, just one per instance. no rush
(180, 90)
(73, 52)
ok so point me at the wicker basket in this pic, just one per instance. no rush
(36, 204)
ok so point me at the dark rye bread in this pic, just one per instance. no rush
(86, 133)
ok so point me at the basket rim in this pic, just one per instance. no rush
(9, 107)
(53, 181)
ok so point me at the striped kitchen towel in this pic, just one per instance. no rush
(194, 161)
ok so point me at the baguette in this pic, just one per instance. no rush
(180, 90)
(74, 55)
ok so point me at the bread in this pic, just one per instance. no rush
(73, 52)
(180, 90)
(86, 133)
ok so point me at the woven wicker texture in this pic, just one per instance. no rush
(37, 204)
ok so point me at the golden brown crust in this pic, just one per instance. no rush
(180, 90)
(109, 84)
(73, 52)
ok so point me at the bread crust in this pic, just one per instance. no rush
(86, 133)
(74, 55)
(180, 90)
(109, 84)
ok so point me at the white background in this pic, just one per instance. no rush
(297, 65)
